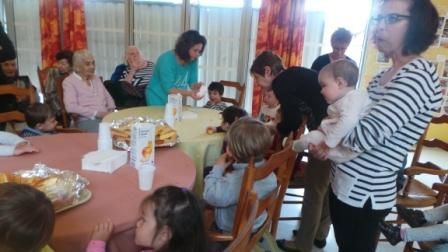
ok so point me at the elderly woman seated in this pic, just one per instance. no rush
(128, 82)
(84, 93)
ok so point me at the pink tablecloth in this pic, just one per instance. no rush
(115, 196)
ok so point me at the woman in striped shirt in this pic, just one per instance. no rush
(363, 190)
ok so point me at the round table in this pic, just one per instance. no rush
(203, 148)
(115, 196)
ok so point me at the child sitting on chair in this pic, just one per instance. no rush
(347, 104)
(40, 120)
(170, 221)
(26, 219)
(13, 145)
(269, 107)
(215, 91)
(229, 115)
(424, 227)
(247, 138)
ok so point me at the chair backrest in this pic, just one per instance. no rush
(423, 143)
(43, 75)
(21, 93)
(278, 163)
(240, 90)
(60, 93)
(241, 241)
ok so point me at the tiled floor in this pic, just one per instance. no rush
(286, 227)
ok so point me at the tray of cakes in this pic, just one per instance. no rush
(121, 132)
(65, 189)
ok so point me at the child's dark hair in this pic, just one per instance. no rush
(230, 114)
(65, 54)
(186, 41)
(38, 113)
(178, 209)
(26, 218)
(216, 86)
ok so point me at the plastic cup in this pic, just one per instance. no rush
(104, 137)
(169, 117)
(145, 177)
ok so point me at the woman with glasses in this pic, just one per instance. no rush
(176, 71)
(405, 96)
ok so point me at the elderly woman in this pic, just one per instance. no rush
(84, 93)
(176, 71)
(340, 40)
(405, 97)
(128, 82)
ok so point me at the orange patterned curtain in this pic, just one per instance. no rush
(49, 31)
(281, 29)
(74, 25)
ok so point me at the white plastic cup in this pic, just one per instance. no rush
(145, 177)
(169, 117)
(104, 137)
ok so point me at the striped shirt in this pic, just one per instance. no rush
(218, 106)
(401, 110)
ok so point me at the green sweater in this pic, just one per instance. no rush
(169, 74)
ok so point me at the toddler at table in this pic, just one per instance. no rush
(40, 120)
(26, 219)
(247, 138)
(229, 115)
(170, 221)
(215, 91)
(269, 108)
(347, 104)
(13, 145)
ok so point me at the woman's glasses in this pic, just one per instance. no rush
(390, 18)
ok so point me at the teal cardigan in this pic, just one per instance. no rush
(168, 74)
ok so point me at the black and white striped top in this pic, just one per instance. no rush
(401, 110)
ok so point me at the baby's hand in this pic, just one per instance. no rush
(103, 231)
(24, 147)
(211, 130)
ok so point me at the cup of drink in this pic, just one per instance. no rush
(146, 177)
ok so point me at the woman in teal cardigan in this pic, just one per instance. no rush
(176, 71)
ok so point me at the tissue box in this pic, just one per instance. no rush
(104, 160)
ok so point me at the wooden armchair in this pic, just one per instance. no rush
(240, 90)
(280, 163)
(67, 118)
(21, 93)
(241, 242)
(416, 194)
(43, 75)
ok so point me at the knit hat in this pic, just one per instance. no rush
(7, 50)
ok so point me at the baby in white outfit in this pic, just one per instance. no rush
(347, 105)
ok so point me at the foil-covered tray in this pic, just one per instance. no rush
(121, 132)
(66, 189)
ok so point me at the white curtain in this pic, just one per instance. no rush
(27, 30)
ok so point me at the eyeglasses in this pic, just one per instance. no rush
(390, 18)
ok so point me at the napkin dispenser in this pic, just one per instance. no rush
(104, 160)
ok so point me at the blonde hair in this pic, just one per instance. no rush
(345, 69)
(78, 57)
(248, 138)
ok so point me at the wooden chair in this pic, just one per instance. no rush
(67, 118)
(280, 163)
(43, 75)
(21, 93)
(240, 92)
(241, 242)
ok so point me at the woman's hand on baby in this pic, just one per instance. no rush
(103, 231)
(24, 147)
(319, 151)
